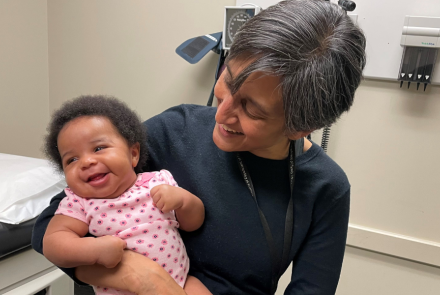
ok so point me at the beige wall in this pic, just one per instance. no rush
(52, 51)
(127, 49)
(368, 273)
(24, 77)
(388, 146)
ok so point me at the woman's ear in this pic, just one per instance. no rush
(135, 154)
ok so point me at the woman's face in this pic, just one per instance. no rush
(253, 118)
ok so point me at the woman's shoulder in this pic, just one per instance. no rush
(182, 114)
(177, 131)
(315, 166)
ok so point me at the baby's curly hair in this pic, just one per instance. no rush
(124, 119)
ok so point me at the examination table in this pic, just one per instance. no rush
(24, 271)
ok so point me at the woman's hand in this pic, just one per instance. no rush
(135, 273)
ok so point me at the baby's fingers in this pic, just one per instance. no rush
(160, 204)
(166, 209)
(154, 191)
(156, 198)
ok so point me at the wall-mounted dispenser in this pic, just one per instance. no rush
(421, 40)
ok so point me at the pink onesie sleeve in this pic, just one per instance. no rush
(167, 177)
(72, 206)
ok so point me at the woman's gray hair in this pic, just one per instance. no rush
(315, 49)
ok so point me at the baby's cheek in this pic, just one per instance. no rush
(73, 185)
(69, 179)
(78, 188)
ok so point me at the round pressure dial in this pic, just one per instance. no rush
(235, 22)
(235, 17)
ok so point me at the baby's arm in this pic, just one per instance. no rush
(194, 287)
(64, 245)
(189, 209)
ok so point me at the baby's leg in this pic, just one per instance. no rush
(194, 287)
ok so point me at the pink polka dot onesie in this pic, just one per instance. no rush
(133, 217)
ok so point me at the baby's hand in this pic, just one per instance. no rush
(110, 250)
(167, 197)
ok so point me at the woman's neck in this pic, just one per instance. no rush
(278, 152)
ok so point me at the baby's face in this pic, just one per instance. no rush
(97, 161)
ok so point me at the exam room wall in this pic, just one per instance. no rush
(24, 76)
(127, 49)
(388, 146)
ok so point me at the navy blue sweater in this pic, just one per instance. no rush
(229, 253)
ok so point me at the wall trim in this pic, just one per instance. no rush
(406, 247)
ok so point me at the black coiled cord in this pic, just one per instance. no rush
(325, 138)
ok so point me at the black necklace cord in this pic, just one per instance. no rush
(288, 229)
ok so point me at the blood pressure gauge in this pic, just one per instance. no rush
(235, 17)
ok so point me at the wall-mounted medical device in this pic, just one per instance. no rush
(421, 40)
(235, 17)
(193, 50)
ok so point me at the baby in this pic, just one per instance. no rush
(100, 145)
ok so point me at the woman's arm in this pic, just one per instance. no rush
(319, 263)
(189, 209)
(135, 273)
(64, 245)
(43, 221)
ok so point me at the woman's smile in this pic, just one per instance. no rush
(229, 130)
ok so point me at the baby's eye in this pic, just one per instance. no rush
(71, 160)
(99, 148)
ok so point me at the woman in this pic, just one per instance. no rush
(292, 69)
